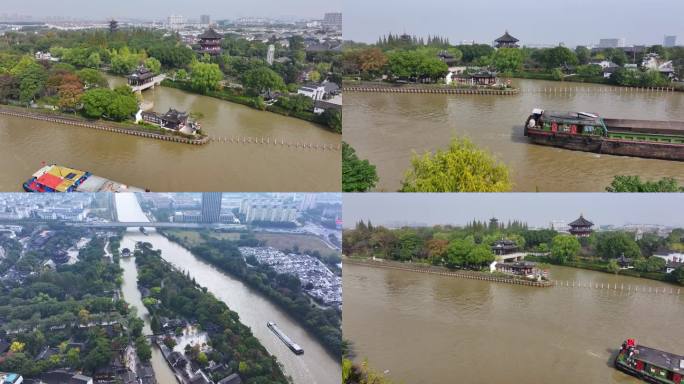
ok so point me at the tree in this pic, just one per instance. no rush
(583, 54)
(95, 102)
(611, 245)
(202, 359)
(333, 119)
(458, 252)
(153, 65)
(93, 60)
(123, 105)
(262, 79)
(678, 275)
(357, 175)
(480, 255)
(625, 183)
(613, 266)
(371, 62)
(461, 168)
(507, 60)
(297, 103)
(31, 82)
(557, 57)
(205, 77)
(651, 264)
(92, 78)
(564, 248)
(143, 350)
(73, 357)
(17, 346)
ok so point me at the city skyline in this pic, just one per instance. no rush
(158, 9)
(537, 210)
(644, 23)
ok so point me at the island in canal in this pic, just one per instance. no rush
(66, 319)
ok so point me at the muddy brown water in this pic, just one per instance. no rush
(426, 328)
(386, 128)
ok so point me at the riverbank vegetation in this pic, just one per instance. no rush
(174, 295)
(626, 183)
(461, 168)
(357, 175)
(405, 58)
(469, 247)
(242, 65)
(361, 374)
(282, 289)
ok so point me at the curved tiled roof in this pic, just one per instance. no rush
(581, 222)
(506, 38)
(210, 34)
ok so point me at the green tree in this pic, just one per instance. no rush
(557, 57)
(92, 78)
(678, 275)
(95, 102)
(583, 55)
(564, 248)
(73, 357)
(333, 119)
(651, 264)
(31, 82)
(93, 61)
(461, 168)
(262, 79)
(153, 65)
(205, 77)
(480, 255)
(357, 175)
(613, 266)
(123, 105)
(507, 60)
(611, 245)
(143, 349)
(458, 252)
(625, 183)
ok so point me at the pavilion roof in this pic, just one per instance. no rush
(210, 34)
(506, 38)
(581, 222)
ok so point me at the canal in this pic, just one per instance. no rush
(315, 366)
(165, 166)
(431, 329)
(386, 127)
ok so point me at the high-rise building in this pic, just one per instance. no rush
(670, 41)
(205, 19)
(270, 54)
(308, 202)
(333, 19)
(176, 22)
(211, 207)
(611, 43)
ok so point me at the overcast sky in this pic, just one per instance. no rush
(157, 9)
(537, 209)
(532, 21)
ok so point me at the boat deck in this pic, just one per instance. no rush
(645, 126)
(662, 359)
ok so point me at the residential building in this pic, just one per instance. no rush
(176, 22)
(333, 20)
(611, 43)
(205, 20)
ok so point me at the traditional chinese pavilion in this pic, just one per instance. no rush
(210, 42)
(172, 119)
(504, 247)
(507, 41)
(141, 76)
(581, 227)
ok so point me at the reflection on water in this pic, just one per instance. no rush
(387, 128)
(432, 329)
(165, 166)
(315, 366)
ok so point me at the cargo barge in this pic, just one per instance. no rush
(649, 364)
(56, 178)
(588, 132)
(285, 339)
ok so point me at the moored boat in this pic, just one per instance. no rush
(649, 364)
(285, 339)
(56, 178)
(581, 131)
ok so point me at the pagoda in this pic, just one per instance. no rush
(581, 227)
(210, 42)
(507, 41)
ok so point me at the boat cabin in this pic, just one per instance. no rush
(574, 123)
(650, 364)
